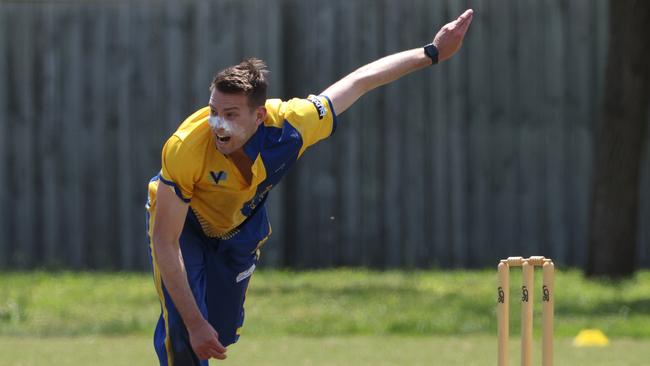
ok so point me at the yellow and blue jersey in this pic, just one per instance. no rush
(218, 195)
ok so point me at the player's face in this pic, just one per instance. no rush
(232, 120)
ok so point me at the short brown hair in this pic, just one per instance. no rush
(247, 77)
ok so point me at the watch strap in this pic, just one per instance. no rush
(432, 52)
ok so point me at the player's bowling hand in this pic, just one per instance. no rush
(450, 37)
(205, 341)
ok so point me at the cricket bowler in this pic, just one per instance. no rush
(206, 207)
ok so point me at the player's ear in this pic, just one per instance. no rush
(260, 114)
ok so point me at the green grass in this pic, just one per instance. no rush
(324, 303)
(334, 317)
(370, 350)
(76, 303)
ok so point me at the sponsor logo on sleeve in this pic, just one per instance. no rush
(319, 106)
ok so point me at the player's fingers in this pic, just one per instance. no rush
(221, 348)
(202, 355)
(220, 356)
(214, 353)
(216, 344)
(466, 22)
(466, 16)
(458, 25)
(216, 349)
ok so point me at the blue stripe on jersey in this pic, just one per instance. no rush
(176, 189)
(251, 148)
(334, 121)
(279, 148)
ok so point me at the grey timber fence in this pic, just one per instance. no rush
(484, 156)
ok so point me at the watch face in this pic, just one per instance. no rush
(432, 52)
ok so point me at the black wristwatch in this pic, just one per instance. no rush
(431, 51)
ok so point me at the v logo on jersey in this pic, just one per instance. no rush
(218, 176)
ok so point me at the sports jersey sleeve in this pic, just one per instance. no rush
(178, 170)
(313, 117)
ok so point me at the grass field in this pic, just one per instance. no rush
(335, 317)
(314, 351)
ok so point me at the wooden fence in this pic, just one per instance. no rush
(481, 157)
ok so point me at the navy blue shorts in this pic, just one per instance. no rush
(218, 272)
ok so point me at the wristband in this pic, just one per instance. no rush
(432, 52)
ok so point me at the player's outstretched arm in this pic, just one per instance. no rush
(448, 40)
(170, 218)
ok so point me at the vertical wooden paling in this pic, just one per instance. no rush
(349, 144)
(74, 128)
(412, 132)
(125, 104)
(458, 146)
(579, 122)
(101, 236)
(503, 146)
(481, 57)
(370, 119)
(440, 232)
(552, 110)
(4, 137)
(24, 128)
(392, 155)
